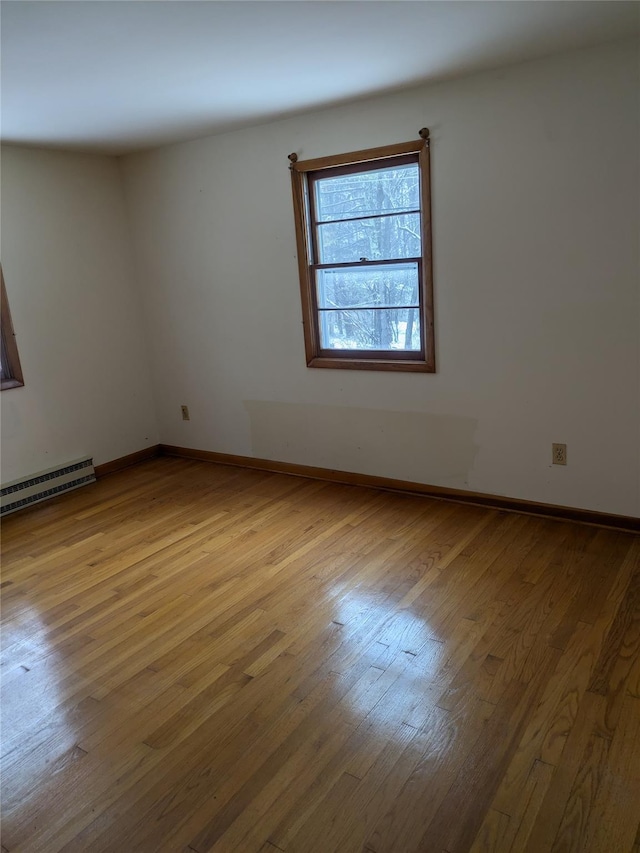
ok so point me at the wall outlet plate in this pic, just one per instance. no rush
(185, 413)
(559, 454)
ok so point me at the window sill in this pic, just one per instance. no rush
(396, 365)
(10, 383)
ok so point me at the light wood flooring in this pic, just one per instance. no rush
(205, 658)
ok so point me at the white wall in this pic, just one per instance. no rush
(69, 275)
(535, 202)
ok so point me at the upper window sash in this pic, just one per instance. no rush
(346, 227)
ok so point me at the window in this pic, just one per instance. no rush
(10, 370)
(363, 229)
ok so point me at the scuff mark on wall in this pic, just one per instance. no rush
(419, 446)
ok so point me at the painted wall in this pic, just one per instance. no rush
(536, 220)
(69, 275)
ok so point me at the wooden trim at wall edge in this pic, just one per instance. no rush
(619, 522)
(629, 524)
(128, 460)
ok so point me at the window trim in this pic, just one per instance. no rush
(304, 173)
(10, 356)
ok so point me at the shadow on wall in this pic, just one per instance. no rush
(416, 446)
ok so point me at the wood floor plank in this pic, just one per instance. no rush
(203, 658)
(571, 835)
(461, 814)
(526, 812)
(612, 820)
(551, 721)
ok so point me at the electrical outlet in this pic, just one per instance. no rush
(185, 413)
(559, 454)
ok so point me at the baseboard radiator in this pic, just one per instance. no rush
(47, 484)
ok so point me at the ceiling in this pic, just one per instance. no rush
(116, 76)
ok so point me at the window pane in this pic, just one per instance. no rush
(4, 362)
(366, 286)
(373, 239)
(387, 329)
(367, 193)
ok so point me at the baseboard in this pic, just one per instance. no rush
(585, 516)
(127, 461)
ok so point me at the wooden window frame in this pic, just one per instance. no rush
(11, 369)
(303, 175)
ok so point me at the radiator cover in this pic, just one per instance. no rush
(46, 484)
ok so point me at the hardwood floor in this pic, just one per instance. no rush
(203, 658)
